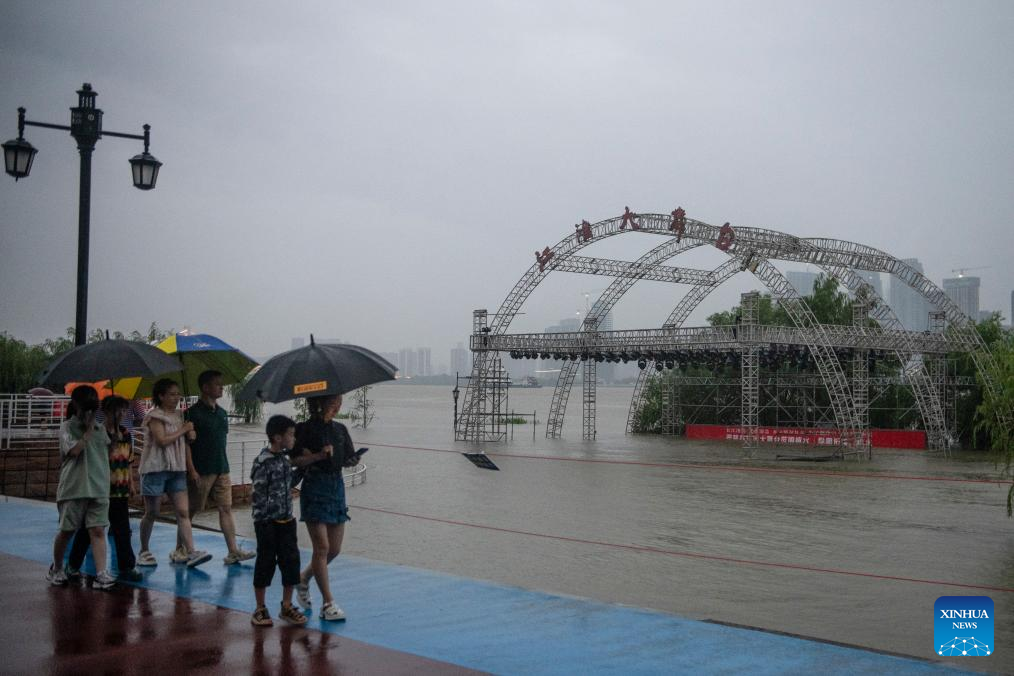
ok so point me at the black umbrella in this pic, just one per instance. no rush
(107, 360)
(316, 370)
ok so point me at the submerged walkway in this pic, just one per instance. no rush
(401, 620)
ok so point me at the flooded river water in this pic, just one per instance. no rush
(855, 552)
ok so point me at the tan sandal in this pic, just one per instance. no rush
(291, 615)
(261, 618)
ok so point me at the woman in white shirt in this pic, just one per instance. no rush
(164, 472)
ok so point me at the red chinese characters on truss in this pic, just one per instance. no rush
(725, 237)
(679, 223)
(584, 231)
(629, 218)
(543, 258)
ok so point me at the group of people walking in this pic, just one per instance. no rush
(184, 458)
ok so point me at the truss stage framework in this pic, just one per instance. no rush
(839, 353)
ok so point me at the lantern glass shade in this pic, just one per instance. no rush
(144, 168)
(18, 156)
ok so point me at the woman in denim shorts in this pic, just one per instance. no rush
(322, 448)
(164, 471)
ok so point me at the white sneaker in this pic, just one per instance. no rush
(198, 557)
(178, 555)
(303, 596)
(146, 558)
(238, 555)
(56, 576)
(332, 612)
(104, 581)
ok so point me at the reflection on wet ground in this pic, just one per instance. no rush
(133, 630)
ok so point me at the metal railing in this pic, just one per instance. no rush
(242, 452)
(24, 417)
(30, 430)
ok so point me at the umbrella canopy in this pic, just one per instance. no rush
(103, 387)
(316, 370)
(196, 354)
(106, 359)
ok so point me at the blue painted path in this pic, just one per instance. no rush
(477, 624)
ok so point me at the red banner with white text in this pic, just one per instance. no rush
(906, 439)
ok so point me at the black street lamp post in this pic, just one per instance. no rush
(86, 128)
(454, 393)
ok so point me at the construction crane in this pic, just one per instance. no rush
(961, 271)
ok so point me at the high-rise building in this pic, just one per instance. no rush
(461, 361)
(802, 281)
(910, 307)
(415, 362)
(566, 325)
(964, 291)
(423, 360)
(406, 362)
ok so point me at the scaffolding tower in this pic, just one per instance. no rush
(861, 378)
(483, 416)
(589, 384)
(749, 369)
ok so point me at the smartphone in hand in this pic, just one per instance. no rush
(361, 451)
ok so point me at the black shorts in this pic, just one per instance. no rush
(276, 545)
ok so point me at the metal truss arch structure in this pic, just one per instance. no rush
(476, 423)
(649, 262)
(749, 249)
(820, 346)
(927, 398)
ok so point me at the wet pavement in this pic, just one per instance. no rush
(400, 620)
(135, 630)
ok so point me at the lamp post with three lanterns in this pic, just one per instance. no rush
(86, 128)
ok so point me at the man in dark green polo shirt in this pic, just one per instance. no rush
(207, 463)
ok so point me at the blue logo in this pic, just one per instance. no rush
(963, 626)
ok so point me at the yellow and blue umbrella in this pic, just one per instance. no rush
(196, 353)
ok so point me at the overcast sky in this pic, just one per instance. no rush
(375, 171)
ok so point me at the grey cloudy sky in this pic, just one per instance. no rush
(375, 171)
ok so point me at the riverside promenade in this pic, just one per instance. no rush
(401, 620)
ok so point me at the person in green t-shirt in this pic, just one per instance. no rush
(82, 496)
(208, 464)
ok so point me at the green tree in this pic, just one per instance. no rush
(996, 407)
(252, 410)
(829, 304)
(20, 363)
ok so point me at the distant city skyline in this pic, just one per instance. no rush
(964, 292)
